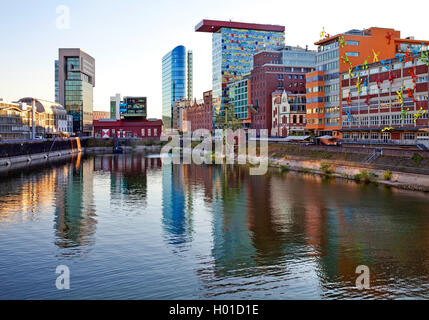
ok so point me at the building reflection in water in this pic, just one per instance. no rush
(128, 177)
(75, 215)
(174, 205)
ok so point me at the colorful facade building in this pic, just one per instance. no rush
(288, 114)
(270, 75)
(176, 76)
(337, 54)
(387, 102)
(233, 47)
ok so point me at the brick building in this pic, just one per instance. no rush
(387, 102)
(200, 115)
(269, 74)
(132, 128)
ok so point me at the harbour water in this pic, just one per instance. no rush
(129, 227)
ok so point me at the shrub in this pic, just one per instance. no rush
(366, 176)
(326, 168)
(387, 175)
(417, 159)
(285, 168)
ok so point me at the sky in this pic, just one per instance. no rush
(128, 38)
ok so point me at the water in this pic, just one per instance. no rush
(129, 228)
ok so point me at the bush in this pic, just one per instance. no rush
(285, 168)
(326, 168)
(366, 177)
(417, 159)
(387, 175)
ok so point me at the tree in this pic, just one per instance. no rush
(225, 119)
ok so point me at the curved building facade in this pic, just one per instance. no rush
(174, 81)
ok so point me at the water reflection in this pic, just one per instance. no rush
(75, 215)
(187, 231)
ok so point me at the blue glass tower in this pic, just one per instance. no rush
(173, 82)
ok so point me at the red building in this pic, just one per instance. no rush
(269, 75)
(199, 115)
(138, 128)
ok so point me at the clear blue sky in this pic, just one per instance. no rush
(128, 38)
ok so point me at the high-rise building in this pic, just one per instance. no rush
(233, 47)
(190, 74)
(177, 74)
(115, 102)
(337, 54)
(75, 78)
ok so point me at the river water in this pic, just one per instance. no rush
(128, 227)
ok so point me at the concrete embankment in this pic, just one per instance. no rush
(354, 171)
(23, 154)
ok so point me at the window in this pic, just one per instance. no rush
(352, 43)
(149, 132)
(352, 54)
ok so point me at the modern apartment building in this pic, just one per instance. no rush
(233, 47)
(177, 77)
(337, 54)
(387, 103)
(75, 80)
(270, 75)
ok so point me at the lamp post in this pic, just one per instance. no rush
(33, 114)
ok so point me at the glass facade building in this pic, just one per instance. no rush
(177, 68)
(238, 91)
(75, 76)
(233, 47)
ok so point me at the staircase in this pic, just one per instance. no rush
(374, 156)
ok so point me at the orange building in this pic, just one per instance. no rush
(97, 115)
(338, 54)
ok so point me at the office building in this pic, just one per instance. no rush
(177, 77)
(337, 54)
(233, 47)
(387, 103)
(75, 79)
